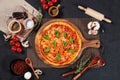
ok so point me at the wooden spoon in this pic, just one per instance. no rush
(95, 62)
(29, 63)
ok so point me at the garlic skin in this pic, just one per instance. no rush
(27, 75)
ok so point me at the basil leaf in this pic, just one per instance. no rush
(64, 34)
(54, 43)
(47, 50)
(46, 37)
(70, 50)
(71, 40)
(57, 34)
(65, 43)
(57, 57)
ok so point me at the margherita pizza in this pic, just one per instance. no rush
(58, 43)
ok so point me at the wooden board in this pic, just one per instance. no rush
(9, 6)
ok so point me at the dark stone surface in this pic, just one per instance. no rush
(110, 39)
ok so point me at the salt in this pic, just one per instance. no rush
(27, 75)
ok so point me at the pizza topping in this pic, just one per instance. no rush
(58, 57)
(70, 50)
(64, 34)
(59, 43)
(47, 50)
(71, 40)
(57, 34)
(54, 43)
(65, 43)
(46, 37)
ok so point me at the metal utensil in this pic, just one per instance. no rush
(29, 63)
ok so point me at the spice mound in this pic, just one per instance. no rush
(19, 67)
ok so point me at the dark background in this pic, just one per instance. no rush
(110, 39)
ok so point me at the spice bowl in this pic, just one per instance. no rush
(29, 23)
(18, 67)
(15, 26)
(54, 10)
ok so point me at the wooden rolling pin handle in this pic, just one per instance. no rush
(107, 20)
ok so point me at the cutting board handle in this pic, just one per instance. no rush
(91, 43)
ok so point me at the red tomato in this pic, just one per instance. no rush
(17, 44)
(19, 49)
(13, 48)
(15, 38)
(12, 42)
(45, 6)
(42, 1)
(50, 3)
(54, 1)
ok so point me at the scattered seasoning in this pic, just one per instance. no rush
(58, 57)
(71, 50)
(57, 34)
(71, 40)
(46, 37)
(54, 43)
(47, 50)
(64, 34)
(65, 43)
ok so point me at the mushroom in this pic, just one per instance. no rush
(38, 72)
(7, 36)
(25, 43)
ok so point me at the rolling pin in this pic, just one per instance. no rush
(95, 14)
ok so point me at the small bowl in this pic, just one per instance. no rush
(18, 67)
(14, 26)
(29, 23)
(54, 10)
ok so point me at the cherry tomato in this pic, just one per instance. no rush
(12, 42)
(13, 48)
(19, 49)
(50, 3)
(45, 6)
(54, 1)
(15, 38)
(42, 1)
(17, 44)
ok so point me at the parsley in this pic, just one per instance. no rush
(70, 50)
(64, 34)
(71, 40)
(57, 34)
(57, 57)
(46, 37)
(65, 43)
(47, 50)
(54, 43)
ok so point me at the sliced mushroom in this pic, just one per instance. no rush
(25, 43)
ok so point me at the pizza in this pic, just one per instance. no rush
(58, 43)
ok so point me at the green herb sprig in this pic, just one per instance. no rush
(82, 64)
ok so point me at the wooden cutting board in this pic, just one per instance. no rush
(12, 5)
